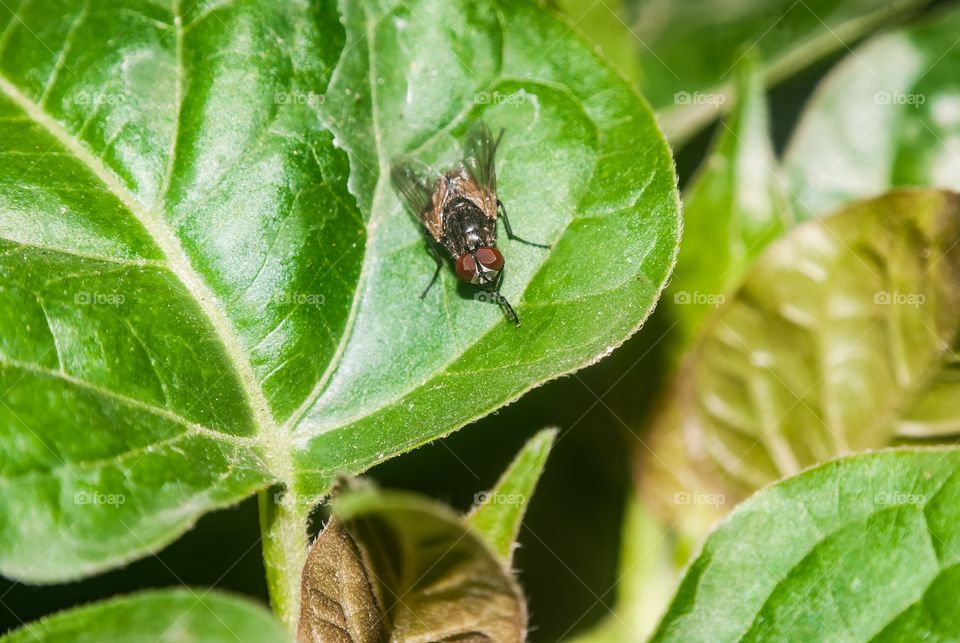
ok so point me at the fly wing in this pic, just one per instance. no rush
(479, 152)
(416, 182)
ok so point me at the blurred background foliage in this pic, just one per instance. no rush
(571, 550)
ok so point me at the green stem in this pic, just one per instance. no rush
(283, 525)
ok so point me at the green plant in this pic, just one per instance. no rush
(211, 288)
(209, 291)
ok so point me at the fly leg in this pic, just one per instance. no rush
(506, 224)
(436, 273)
(507, 308)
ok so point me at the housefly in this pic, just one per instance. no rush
(458, 209)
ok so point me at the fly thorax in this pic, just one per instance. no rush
(472, 237)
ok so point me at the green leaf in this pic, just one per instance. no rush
(437, 580)
(606, 191)
(337, 597)
(180, 615)
(207, 285)
(863, 548)
(887, 116)
(733, 208)
(687, 50)
(839, 331)
(499, 512)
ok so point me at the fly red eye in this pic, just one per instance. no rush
(466, 267)
(490, 258)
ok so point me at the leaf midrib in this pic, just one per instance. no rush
(334, 364)
(787, 577)
(676, 611)
(176, 260)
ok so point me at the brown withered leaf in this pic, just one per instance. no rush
(337, 602)
(843, 337)
(437, 580)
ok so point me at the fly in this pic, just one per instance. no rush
(459, 210)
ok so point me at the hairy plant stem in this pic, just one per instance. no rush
(283, 526)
